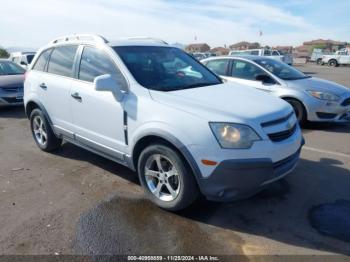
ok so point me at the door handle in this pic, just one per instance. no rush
(76, 96)
(43, 86)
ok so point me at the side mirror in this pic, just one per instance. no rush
(107, 83)
(23, 63)
(265, 79)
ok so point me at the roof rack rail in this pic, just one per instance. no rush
(80, 37)
(146, 38)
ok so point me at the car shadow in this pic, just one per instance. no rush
(12, 112)
(279, 213)
(71, 151)
(326, 126)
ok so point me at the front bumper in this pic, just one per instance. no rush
(13, 99)
(240, 178)
(325, 111)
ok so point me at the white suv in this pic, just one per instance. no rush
(155, 109)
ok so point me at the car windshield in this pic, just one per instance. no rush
(281, 69)
(10, 68)
(165, 68)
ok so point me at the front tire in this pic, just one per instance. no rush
(166, 178)
(333, 63)
(42, 132)
(299, 110)
(319, 61)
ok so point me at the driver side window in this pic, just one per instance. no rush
(245, 70)
(95, 62)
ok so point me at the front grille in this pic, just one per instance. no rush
(346, 102)
(12, 100)
(12, 89)
(280, 136)
(277, 121)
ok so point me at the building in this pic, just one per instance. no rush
(286, 49)
(244, 46)
(302, 52)
(194, 48)
(220, 51)
(327, 45)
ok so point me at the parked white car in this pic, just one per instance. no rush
(312, 98)
(156, 110)
(341, 57)
(274, 54)
(22, 58)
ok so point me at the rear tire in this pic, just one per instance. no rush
(42, 132)
(333, 63)
(299, 110)
(166, 178)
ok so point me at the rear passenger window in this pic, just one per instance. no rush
(94, 62)
(62, 60)
(219, 67)
(42, 60)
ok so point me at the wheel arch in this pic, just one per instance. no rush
(298, 100)
(34, 104)
(167, 139)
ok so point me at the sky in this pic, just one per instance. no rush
(33, 23)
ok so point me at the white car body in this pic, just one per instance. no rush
(274, 54)
(22, 58)
(114, 127)
(341, 57)
(316, 110)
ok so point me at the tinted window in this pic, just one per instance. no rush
(30, 58)
(267, 52)
(165, 68)
(275, 53)
(245, 70)
(218, 66)
(62, 60)
(42, 60)
(10, 68)
(95, 62)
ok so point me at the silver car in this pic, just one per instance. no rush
(11, 83)
(313, 99)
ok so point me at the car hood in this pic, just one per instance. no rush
(11, 81)
(226, 102)
(317, 84)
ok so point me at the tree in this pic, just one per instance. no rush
(3, 53)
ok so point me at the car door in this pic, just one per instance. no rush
(245, 72)
(344, 57)
(219, 66)
(55, 87)
(98, 116)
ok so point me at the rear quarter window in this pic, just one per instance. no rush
(62, 60)
(42, 60)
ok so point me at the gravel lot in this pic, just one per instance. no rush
(74, 202)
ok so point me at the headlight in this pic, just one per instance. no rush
(231, 135)
(324, 96)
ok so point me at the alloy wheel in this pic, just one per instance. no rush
(162, 177)
(39, 130)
